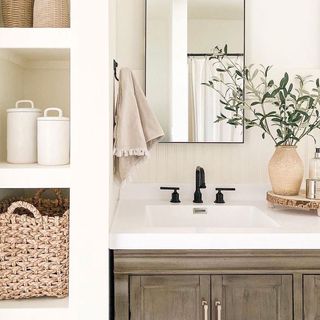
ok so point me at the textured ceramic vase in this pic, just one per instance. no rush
(286, 171)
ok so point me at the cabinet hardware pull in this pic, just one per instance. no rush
(205, 309)
(218, 307)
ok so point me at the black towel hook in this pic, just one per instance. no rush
(115, 66)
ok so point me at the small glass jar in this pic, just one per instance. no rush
(313, 189)
(314, 166)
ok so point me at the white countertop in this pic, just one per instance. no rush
(130, 229)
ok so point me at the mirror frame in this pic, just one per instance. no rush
(244, 64)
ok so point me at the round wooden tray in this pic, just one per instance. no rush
(299, 202)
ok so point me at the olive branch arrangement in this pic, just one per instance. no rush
(286, 111)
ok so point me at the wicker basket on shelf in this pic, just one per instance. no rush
(34, 248)
(17, 13)
(51, 14)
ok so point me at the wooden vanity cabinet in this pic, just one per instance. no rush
(261, 297)
(311, 297)
(169, 297)
(217, 285)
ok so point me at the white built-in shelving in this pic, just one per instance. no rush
(41, 75)
(33, 309)
(35, 38)
(34, 64)
(42, 303)
(34, 176)
(40, 52)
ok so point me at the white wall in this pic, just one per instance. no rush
(89, 192)
(11, 90)
(130, 36)
(283, 33)
(114, 184)
(205, 34)
(48, 86)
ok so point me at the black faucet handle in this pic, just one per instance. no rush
(225, 189)
(175, 197)
(219, 195)
(170, 188)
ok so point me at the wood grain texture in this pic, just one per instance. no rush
(216, 261)
(250, 284)
(205, 293)
(299, 202)
(298, 296)
(311, 301)
(168, 297)
(121, 287)
(253, 297)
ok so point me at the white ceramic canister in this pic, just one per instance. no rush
(22, 133)
(53, 139)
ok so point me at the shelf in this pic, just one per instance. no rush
(34, 176)
(35, 38)
(34, 309)
(43, 76)
(42, 303)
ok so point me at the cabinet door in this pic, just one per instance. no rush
(311, 294)
(170, 297)
(252, 297)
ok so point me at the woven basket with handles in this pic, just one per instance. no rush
(17, 13)
(51, 14)
(34, 251)
(51, 207)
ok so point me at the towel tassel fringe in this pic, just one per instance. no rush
(130, 152)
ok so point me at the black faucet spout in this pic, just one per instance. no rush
(200, 184)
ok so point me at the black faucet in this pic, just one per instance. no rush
(175, 195)
(219, 195)
(200, 184)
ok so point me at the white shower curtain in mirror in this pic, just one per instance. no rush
(205, 106)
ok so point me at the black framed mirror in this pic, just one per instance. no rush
(180, 37)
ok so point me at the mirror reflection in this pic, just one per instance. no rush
(180, 38)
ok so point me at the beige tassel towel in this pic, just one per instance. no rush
(137, 129)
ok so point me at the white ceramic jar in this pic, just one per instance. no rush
(53, 139)
(22, 133)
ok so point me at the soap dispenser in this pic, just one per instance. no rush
(314, 166)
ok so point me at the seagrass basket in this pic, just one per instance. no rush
(34, 250)
(51, 14)
(17, 13)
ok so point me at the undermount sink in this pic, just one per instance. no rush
(214, 216)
